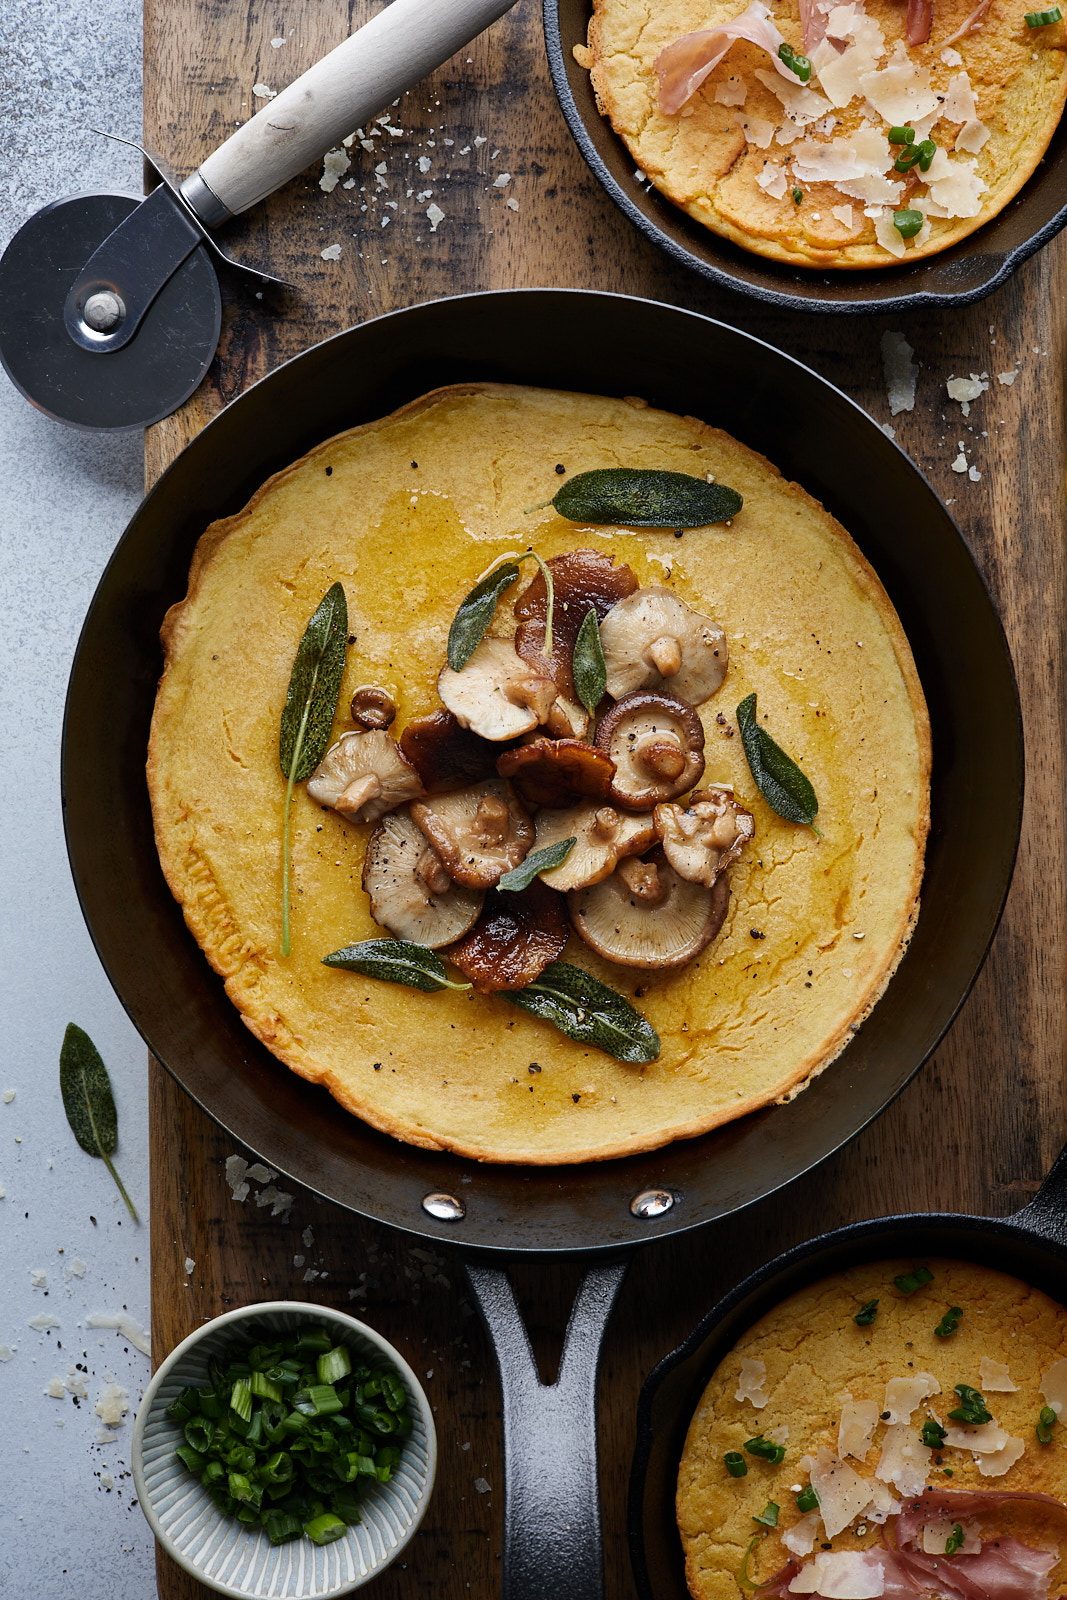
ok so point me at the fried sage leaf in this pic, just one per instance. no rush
(589, 672)
(310, 705)
(89, 1102)
(586, 1010)
(780, 781)
(637, 497)
(476, 613)
(395, 961)
(536, 862)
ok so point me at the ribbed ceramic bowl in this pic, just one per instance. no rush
(240, 1561)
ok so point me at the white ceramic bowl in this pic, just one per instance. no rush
(240, 1561)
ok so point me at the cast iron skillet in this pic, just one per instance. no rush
(1031, 1245)
(602, 344)
(968, 272)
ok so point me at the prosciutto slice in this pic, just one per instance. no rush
(919, 20)
(975, 20)
(683, 65)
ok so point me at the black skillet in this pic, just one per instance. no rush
(1031, 1245)
(603, 344)
(967, 272)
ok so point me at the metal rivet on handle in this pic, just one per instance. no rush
(103, 311)
(445, 1207)
(651, 1203)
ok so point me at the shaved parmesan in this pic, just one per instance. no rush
(901, 90)
(802, 105)
(972, 137)
(860, 155)
(843, 215)
(1054, 1381)
(952, 58)
(757, 130)
(842, 1493)
(732, 93)
(954, 187)
(883, 1506)
(839, 74)
(987, 1438)
(935, 1534)
(773, 180)
(904, 1461)
(841, 1575)
(750, 1383)
(996, 1464)
(959, 104)
(903, 1395)
(858, 1421)
(800, 1538)
(840, 22)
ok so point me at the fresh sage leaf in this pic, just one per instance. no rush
(395, 961)
(310, 706)
(637, 497)
(536, 862)
(780, 781)
(476, 613)
(589, 672)
(586, 1010)
(89, 1102)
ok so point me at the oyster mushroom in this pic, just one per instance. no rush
(497, 694)
(602, 838)
(514, 939)
(363, 776)
(557, 772)
(446, 756)
(480, 833)
(657, 744)
(373, 707)
(410, 892)
(700, 840)
(580, 579)
(645, 915)
(651, 639)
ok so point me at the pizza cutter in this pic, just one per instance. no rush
(109, 305)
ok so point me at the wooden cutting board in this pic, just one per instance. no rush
(979, 1127)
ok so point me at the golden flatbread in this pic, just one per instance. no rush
(407, 513)
(804, 172)
(815, 1379)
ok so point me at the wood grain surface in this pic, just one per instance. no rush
(980, 1125)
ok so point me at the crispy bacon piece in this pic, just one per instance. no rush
(514, 939)
(683, 65)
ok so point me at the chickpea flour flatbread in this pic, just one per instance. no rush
(407, 513)
(810, 1376)
(804, 172)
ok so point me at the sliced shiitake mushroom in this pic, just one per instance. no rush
(580, 579)
(652, 639)
(373, 707)
(602, 835)
(645, 915)
(497, 694)
(701, 839)
(410, 892)
(363, 776)
(480, 833)
(557, 772)
(446, 755)
(657, 744)
(514, 939)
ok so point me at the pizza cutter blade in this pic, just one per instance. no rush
(110, 308)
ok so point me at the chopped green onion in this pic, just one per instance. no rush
(241, 1399)
(798, 195)
(807, 1499)
(949, 1322)
(195, 1460)
(908, 158)
(1045, 1423)
(263, 1388)
(765, 1449)
(1042, 19)
(866, 1314)
(796, 63)
(903, 135)
(933, 1434)
(314, 1339)
(280, 1526)
(743, 1579)
(735, 1464)
(972, 1408)
(927, 151)
(184, 1406)
(954, 1540)
(768, 1516)
(334, 1365)
(908, 1282)
(325, 1529)
(200, 1433)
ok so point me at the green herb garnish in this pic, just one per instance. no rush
(908, 1282)
(907, 223)
(636, 497)
(735, 1464)
(89, 1102)
(949, 1322)
(866, 1314)
(927, 152)
(590, 673)
(1042, 19)
(807, 1499)
(395, 961)
(1045, 1423)
(954, 1540)
(765, 1449)
(768, 1516)
(933, 1434)
(796, 63)
(903, 135)
(310, 704)
(476, 613)
(280, 1444)
(798, 195)
(536, 862)
(972, 1408)
(778, 778)
(586, 1010)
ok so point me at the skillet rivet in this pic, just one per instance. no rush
(445, 1207)
(651, 1203)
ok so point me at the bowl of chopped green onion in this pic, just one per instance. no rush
(284, 1450)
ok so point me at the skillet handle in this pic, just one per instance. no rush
(1046, 1214)
(553, 1548)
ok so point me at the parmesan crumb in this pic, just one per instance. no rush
(262, 92)
(113, 1404)
(435, 216)
(481, 1485)
(332, 252)
(901, 372)
(1007, 378)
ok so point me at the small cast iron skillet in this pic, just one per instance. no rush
(969, 271)
(1031, 1245)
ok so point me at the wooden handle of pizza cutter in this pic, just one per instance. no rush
(396, 49)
